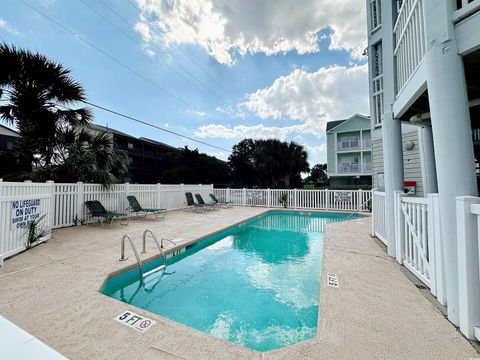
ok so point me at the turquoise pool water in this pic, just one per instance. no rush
(256, 284)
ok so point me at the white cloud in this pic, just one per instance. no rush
(4, 25)
(226, 27)
(311, 99)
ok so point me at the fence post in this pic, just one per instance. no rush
(244, 196)
(327, 200)
(399, 220)
(360, 200)
(269, 198)
(182, 188)
(1, 217)
(435, 233)
(80, 201)
(51, 216)
(227, 195)
(158, 194)
(468, 264)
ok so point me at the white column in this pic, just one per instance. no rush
(427, 160)
(452, 136)
(393, 173)
(391, 129)
(468, 265)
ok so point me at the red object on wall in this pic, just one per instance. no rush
(409, 183)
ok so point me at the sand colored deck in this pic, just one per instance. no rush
(51, 291)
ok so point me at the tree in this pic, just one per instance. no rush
(193, 167)
(318, 172)
(268, 163)
(38, 95)
(87, 156)
(242, 163)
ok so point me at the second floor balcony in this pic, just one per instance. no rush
(354, 168)
(353, 144)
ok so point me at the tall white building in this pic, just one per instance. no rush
(424, 74)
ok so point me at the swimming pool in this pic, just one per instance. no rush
(256, 284)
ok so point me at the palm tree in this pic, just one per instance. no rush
(87, 156)
(36, 96)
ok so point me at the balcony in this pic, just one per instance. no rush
(354, 145)
(354, 168)
(465, 8)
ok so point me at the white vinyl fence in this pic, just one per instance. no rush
(346, 200)
(378, 216)
(418, 239)
(62, 205)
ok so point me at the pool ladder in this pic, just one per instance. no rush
(146, 233)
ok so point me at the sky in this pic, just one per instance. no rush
(214, 70)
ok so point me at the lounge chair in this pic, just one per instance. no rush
(97, 210)
(191, 204)
(226, 204)
(210, 206)
(140, 211)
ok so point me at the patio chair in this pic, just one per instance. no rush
(211, 206)
(141, 211)
(97, 210)
(191, 204)
(226, 204)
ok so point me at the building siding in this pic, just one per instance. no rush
(411, 161)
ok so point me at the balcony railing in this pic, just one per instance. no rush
(354, 145)
(354, 168)
(465, 8)
(409, 39)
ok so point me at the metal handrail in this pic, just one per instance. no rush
(358, 210)
(134, 249)
(159, 246)
(170, 241)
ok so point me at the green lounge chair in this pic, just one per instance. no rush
(191, 204)
(140, 211)
(210, 206)
(226, 204)
(97, 210)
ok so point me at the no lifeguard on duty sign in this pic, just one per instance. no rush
(137, 322)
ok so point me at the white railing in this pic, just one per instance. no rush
(465, 8)
(378, 216)
(375, 14)
(64, 205)
(409, 39)
(418, 240)
(476, 134)
(348, 145)
(347, 200)
(468, 255)
(377, 99)
(354, 168)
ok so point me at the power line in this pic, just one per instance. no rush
(192, 60)
(153, 125)
(217, 97)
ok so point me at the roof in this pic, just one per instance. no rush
(4, 130)
(158, 143)
(333, 124)
(110, 130)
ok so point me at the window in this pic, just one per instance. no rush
(130, 146)
(9, 145)
(375, 14)
(376, 62)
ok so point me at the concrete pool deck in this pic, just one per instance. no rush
(51, 291)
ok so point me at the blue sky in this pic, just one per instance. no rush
(214, 70)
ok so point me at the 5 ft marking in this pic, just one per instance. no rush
(135, 321)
